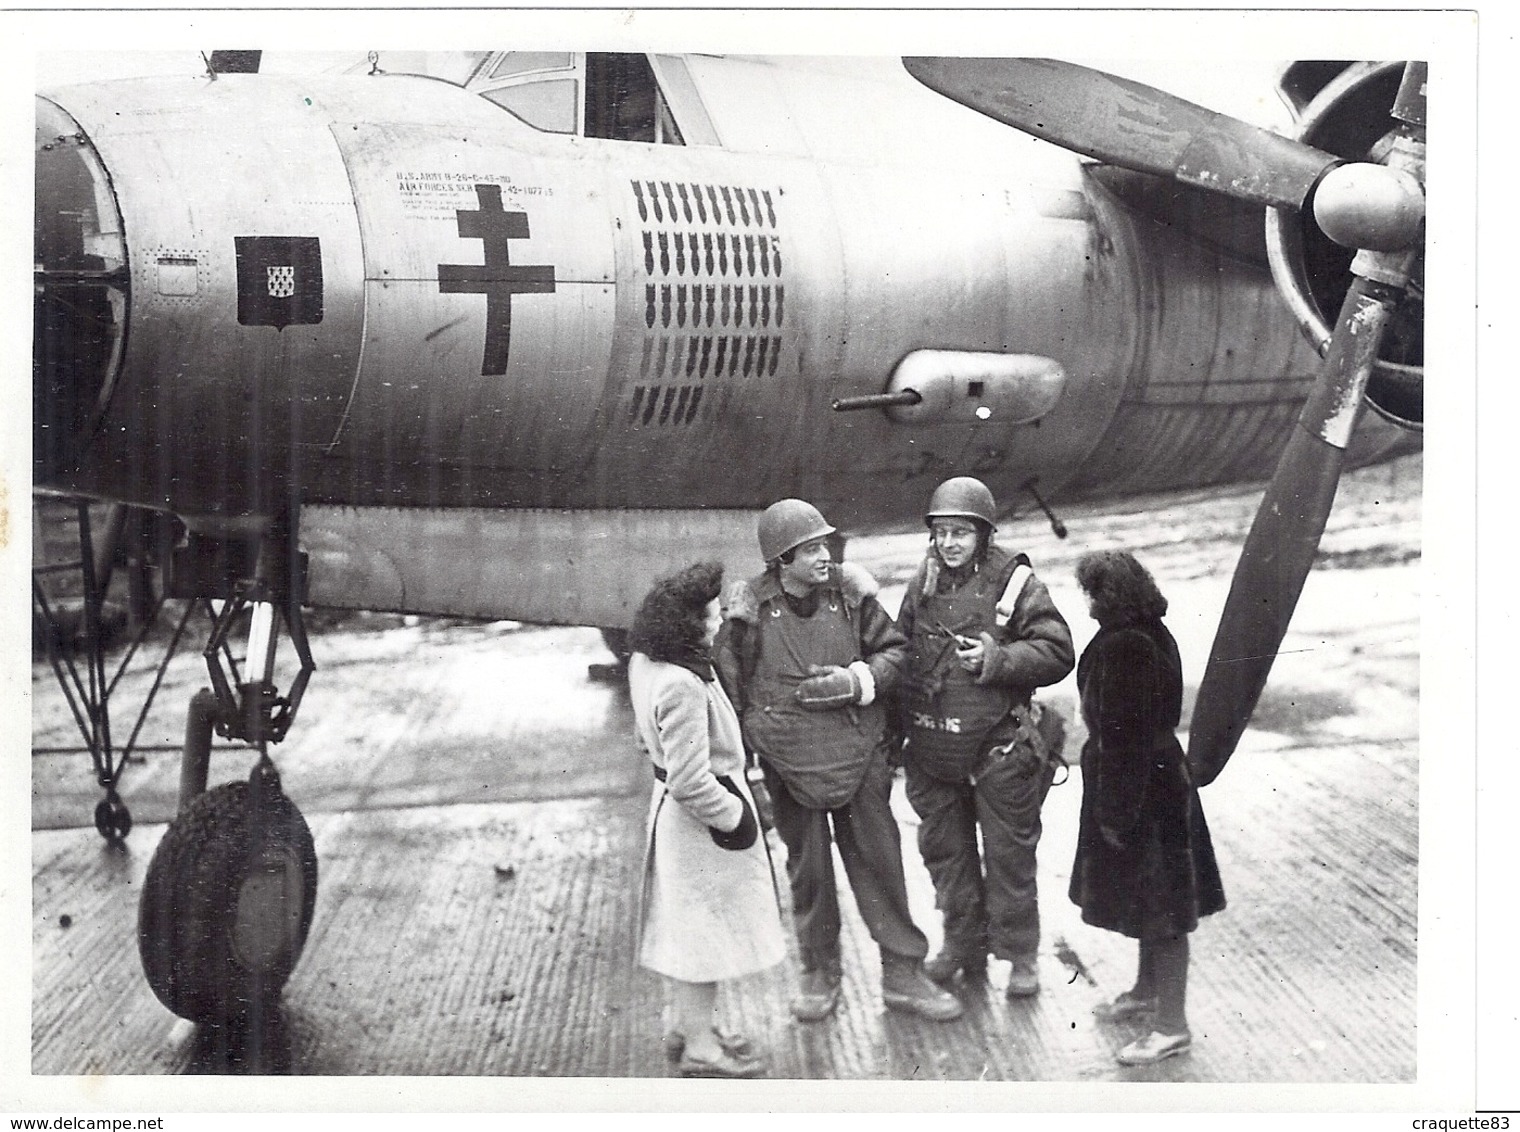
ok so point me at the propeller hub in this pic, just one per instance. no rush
(1361, 205)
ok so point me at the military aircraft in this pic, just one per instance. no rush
(509, 334)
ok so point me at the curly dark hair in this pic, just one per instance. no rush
(669, 625)
(1122, 591)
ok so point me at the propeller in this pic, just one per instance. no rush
(1377, 209)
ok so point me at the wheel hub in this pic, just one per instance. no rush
(267, 920)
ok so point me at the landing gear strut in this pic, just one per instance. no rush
(76, 639)
(230, 892)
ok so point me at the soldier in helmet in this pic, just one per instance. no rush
(807, 655)
(983, 635)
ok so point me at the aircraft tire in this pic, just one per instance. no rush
(226, 905)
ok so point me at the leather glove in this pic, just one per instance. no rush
(743, 835)
(828, 686)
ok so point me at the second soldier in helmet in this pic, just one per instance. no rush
(983, 635)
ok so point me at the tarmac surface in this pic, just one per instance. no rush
(477, 803)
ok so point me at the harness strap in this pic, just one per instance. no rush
(1016, 582)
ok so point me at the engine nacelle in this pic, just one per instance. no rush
(1350, 116)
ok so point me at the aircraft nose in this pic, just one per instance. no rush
(79, 292)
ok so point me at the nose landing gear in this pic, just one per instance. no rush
(230, 892)
(228, 901)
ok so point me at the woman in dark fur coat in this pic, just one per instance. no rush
(1145, 866)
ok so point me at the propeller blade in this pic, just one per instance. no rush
(1130, 124)
(1285, 534)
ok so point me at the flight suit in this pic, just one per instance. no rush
(828, 771)
(974, 756)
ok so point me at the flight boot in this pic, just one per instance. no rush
(1023, 979)
(904, 986)
(949, 962)
(818, 995)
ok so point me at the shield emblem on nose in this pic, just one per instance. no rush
(282, 282)
(279, 280)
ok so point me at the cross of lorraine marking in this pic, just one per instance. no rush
(497, 279)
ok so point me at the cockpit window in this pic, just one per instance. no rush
(615, 95)
(524, 62)
(682, 99)
(623, 101)
(548, 104)
(79, 291)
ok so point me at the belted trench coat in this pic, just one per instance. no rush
(707, 913)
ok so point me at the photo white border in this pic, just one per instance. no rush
(1464, 1040)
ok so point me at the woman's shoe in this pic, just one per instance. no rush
(724, 1065)
(1123, 1008)
(733, 1043)
(1154, 1047)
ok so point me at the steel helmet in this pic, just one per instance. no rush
(962, 497)
(789, 523)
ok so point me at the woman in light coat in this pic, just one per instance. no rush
(709, 910)
(1145, 866)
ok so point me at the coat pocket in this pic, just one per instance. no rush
(743, 835)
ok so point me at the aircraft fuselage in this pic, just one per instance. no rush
(388, 292)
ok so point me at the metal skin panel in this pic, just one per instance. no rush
(427, 427)
(411, 180)
(947, 263)
(659, 326)
(194, 166)
(678, 399)
(845, 243)
(1202, 409)
(499, 385)
(725, 283)
(548, 567)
